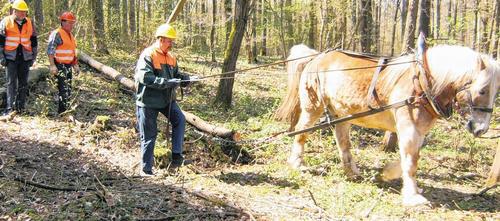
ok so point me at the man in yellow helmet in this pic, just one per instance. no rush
(157, 76)
(18, 51)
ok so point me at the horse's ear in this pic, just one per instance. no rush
(422, 50)
(481, 63)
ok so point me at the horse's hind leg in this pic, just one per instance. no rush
(307, 119)
(344, 145)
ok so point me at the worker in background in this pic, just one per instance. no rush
(18, 51)
(62, 58)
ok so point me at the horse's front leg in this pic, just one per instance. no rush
(410, 142)
(307, 119)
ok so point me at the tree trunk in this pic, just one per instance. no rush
(98, 27)
(113, 16)
(228, 20)
(288, 25)
(282, 34)
(437, 18)
(395, 22)
(240, 17)
(425, 18)
(312, 25)
(131, 18)
(497, 31)
(263, 47)
(39, 13)
(365, 26)
(212, 30)
(484, 41)
(476, 23)
(404, 15)
(138, 23)
(124, 22)
(130, 84)
(411, 22)
(450, 18)
(254, 36)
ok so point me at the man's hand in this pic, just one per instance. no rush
(174, 82)
(3, 61)
(76, 68)
(53, 70)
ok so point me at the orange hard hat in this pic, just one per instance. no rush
(67, 16)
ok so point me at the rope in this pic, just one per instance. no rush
(204, 78)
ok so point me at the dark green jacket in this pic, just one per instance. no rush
(153, 88)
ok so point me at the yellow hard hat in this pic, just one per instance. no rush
(166, 30)
(20, 5)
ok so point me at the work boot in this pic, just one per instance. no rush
(146, 173)
(178, 160)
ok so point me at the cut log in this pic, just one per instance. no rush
(36, 73)
(494, 176)
(192, 119)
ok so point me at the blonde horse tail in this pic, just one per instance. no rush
(289, 110)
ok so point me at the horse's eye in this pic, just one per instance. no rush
(482, 92)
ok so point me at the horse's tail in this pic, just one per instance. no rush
(289, 110)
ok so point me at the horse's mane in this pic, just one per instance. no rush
(447, 64)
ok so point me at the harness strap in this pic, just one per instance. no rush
(372, 92)
(408, 101)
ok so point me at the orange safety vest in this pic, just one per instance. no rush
(160, 58)
(14, 37)
(66, 52)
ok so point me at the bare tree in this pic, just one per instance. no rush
(98, 27)
(365, 25)
(393, 39)
(225, 90)
(437, 18)
(212, 30)
(131, 18)
(263, 48)
(411, 21)
(424, 21)
(124, 21)
(39, 13)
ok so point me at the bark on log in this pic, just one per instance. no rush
(494, 176)
(36, 73)
(192, 119)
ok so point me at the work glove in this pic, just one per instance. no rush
(173, 83)
(53, 70)
(3, 61)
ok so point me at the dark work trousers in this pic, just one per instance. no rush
(146, 120)
(64, 77)
(17, 84)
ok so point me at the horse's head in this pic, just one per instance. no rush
(480, 94)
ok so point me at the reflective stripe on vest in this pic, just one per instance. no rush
(14, 37)
(160, 58)
(65, 52)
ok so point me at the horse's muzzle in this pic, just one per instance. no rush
(475, 130)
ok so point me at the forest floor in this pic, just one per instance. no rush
(84, 165)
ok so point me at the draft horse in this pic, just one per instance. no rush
(431, 80)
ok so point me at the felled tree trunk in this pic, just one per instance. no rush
(34, 76)
(192, 119)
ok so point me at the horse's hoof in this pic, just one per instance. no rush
(414, 200)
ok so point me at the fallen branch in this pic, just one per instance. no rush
(483, 191)
(192, 119)
(48, 187)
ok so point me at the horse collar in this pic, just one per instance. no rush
(423, 93)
